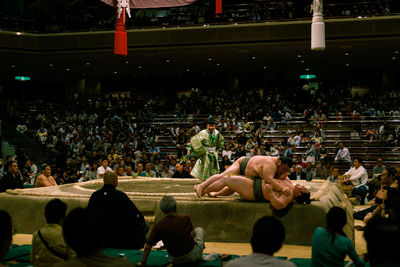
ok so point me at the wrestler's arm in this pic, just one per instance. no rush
(278, 200)
(268, 174)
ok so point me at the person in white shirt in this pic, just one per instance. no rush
(343, 154)
(102, 169)
(358, 176)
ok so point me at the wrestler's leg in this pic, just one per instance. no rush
(226, 191)
(234, 168)
(278, 200)
(239, 184)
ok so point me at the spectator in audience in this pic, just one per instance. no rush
(343, 154)
(240, 152)
(310, 153)
(12, 179)
(183, 243)
(87, 242)
(157, 166)
(45, 178)
(181, 172)
(289, 151)
(381, 234)
(141, 172)
(309, 172)
(129, 171)
(358, 176)
(370, 133)
(330, 246)
(124, 225)
(268, 236)
(227, 152)
(374, 184)
(103, 169)
(120, 171)
(166, 173)
(48, 245)
(334, 177)
(27, 173)
(188, 166)
(5, 234)
(323, 169)
(149, 170)
(154, 151)
(298, 174)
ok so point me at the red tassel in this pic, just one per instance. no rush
(120, 37)
(218, 6)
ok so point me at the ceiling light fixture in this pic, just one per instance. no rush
(139, 67)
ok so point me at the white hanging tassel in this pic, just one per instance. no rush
(123, 4)
(317, 27)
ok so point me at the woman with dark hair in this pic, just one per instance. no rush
(383, 201)
(330, 245)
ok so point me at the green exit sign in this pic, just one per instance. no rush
(308, 76)
(22, 78)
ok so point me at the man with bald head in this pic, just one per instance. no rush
(123, 223)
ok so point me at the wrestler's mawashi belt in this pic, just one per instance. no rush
(257, 189)
(243, 165)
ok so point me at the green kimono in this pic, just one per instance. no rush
(206, 147)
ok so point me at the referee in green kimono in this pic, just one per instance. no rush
(206, 144)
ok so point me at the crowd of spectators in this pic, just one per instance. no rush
(81, 15)
(87, 136)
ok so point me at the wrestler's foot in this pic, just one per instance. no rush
(198, 190)
(212, 194)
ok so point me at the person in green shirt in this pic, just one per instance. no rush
(330, 245)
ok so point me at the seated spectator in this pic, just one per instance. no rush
(140, 171)
(358, 176)
(45, 179)
(5, 234)
(323, 169)
(87, 242)
(188, 166)
(128, 171)
(343, 155)
(124, 225)
(289, 151)
(268, 236)
(374, 184)
(334, 177)
(381, 234)
(120, 171)
(12, 179)
(181, 172)
(184, 245)
(298, 174)
(383, 200)
(227, 152)
(370, 134)
(27, 171)
(154, 151)
(42, 135)
(240, 152)
(310, 153)
(157, 166)
(166, 173)
(249, 145)
(309, 172)
(48, 245)
(330, 245)
(103, 169)
(149, 170)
